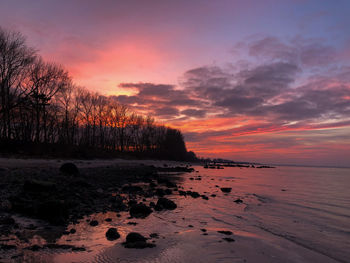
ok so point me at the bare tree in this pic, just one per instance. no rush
(15, 57)
(40, 104)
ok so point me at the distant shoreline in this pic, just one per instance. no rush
(311, 166)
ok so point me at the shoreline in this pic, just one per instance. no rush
(85, 163)
(40, 192)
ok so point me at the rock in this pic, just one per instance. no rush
(54, 211)
(139, 245)
(238, 201)
(228, 239)
(193, 194)
(93, 223)
(108, 219)
(136, 240)
(69, 169)
(135, 237)
(154, 235)
(140, 210)
(164, 203)
(72, 231)
(226, 189)
(205, 197)
(225, 232)
(203, 230)
(112, 234)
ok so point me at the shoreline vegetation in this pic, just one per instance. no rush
(44, 114)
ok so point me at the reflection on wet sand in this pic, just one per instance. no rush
(266, 226)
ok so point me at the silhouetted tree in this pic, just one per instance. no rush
(40, 104)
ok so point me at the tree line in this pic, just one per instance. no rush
(40, 105)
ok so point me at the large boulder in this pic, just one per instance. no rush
(136, 240)
(140, 210)
(112, 234)
(164, 203)
(135, 237)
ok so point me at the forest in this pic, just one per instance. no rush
(42, 112)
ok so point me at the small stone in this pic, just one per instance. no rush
(225, 232)
(238, 201)
(93, 223)
(228, 239)
(226, 189)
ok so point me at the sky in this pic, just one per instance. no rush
(261, 81)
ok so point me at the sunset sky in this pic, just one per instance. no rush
(264, 81)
